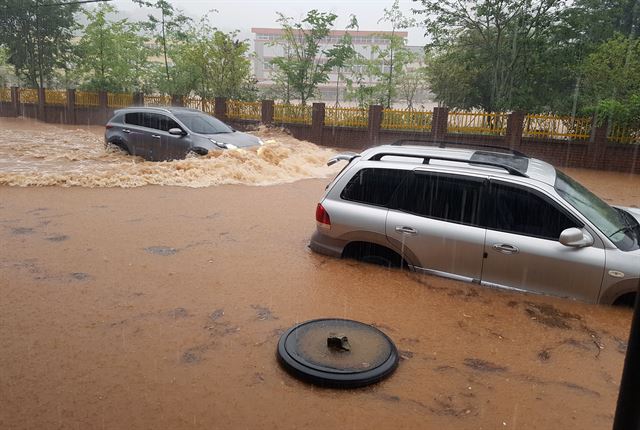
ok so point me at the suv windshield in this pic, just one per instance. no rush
(621, 228)
(203, 124)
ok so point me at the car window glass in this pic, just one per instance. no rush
(151, 120)
(521, 211)
(166, 123)
(442, 197)
(134, 118)
(204, 124)
(373, 186)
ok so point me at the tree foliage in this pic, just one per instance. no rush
(507, 54)
(213, 63)
(498, 45)
(305, 64)
(382, 77)
(37, 34)
(112, 55)
(168, 29)
(612, 80)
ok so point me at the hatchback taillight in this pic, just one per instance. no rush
(108, 126)
(322, 217)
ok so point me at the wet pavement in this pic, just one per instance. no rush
(161, 307)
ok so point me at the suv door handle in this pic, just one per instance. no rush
(407, 230)
(155, 136)
(126, 130)
(505, 248)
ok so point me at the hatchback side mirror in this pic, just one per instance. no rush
(576, 238)
(176, 131)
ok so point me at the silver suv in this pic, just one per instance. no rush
(484, 216)
(169, 133)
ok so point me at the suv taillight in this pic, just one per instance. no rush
(108, 126)
(322, 217)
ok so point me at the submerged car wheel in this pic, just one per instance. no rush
(117, 145)
(198, 151)
(337, 353)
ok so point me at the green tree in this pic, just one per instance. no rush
(6, 76)
(213, 63)
(506, 47)
(394, 54)
(37, 34)
(612, 80)
(411, 82)
(168, 29)
(305, 64)
(112, 55)
(342, 53)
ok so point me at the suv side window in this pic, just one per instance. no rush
(446, 197)
(134, 118)
(521, 211)
(167, 123)
(158, 121)
(373, 186)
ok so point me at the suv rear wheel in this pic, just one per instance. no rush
(373, 253)
(626, 300)
(119, 145)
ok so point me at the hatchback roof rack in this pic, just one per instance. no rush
(517, 153)
(511, 169)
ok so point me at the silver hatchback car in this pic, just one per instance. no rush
(484, 216)
(159, 133)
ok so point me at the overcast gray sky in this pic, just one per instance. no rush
(244, 14)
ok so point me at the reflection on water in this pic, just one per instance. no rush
(55, 156)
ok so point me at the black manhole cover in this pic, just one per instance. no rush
(337, 353)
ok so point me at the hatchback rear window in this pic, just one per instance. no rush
(373, 186)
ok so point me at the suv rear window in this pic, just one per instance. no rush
(373, 186)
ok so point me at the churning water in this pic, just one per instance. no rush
(44, 155)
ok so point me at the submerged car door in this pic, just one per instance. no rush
(173, 146)
(160, 144)
(523, 251)
(435, 216)
(134, 133)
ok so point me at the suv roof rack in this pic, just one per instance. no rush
(444, 145)
(511, 169)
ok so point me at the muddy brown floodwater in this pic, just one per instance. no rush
(161, 306)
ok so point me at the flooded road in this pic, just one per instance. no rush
(160, 307)
(48, 155)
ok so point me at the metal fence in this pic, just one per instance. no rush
(157, 100)
(346, 117)
(119, 100)
(244, 110)
(87, 99)
(477, 123)
(621, 134)
(557, 127)
(292, 114)
(5, 94)
(29, 95)
(406, 119)
(55, 97)
(534, 125)
(192, 102)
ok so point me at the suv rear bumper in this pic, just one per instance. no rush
(326, 245)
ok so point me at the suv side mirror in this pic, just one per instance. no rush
(575, 237)
(177, 131)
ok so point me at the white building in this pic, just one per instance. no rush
(266, 49)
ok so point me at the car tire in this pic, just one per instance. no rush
(120, 145)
